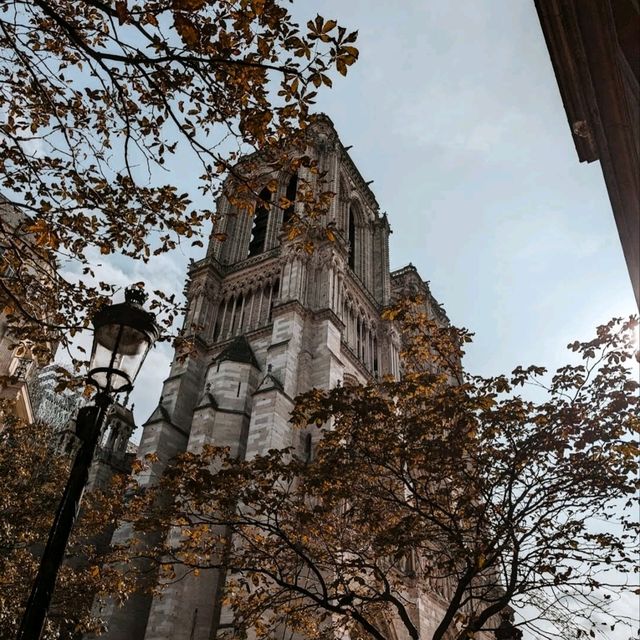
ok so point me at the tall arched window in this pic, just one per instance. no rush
(216, 327)
(344, 197)
(351, 237)
(260, 220)
(290, 195)
(375, 357)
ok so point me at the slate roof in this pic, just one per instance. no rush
(239, 350)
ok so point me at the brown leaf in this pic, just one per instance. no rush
(122, 11)
(187, 30)
(188, 5)
(328, 25)
(149, 18)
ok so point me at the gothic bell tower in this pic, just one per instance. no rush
(267, 320)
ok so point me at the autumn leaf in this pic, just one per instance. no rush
(188, 5)
(187, 29)
(122, 11)
(293, 232)
(149, 18)
(329, 25)
(45, 236)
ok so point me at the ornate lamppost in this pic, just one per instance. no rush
(123, 335)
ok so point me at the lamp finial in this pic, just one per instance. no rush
(135, 295)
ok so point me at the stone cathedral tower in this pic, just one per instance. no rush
(270, 322)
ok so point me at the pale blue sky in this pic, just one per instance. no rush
(454, 111)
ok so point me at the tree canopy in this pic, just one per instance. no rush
(442, 485)
(103, 104)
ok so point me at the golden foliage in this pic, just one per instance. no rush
(442, 480)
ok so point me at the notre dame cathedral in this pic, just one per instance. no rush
(269, 322)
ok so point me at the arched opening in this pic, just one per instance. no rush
(221, 320)
(349, 380)
(351, 238)
(376, 369)
(260, 221)
(290, 195)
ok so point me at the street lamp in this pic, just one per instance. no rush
(123, 335)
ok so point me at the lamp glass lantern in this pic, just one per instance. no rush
(123, 335)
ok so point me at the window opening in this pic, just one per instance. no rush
(375, 357)
(272, 299)
(238, 313)
(260, 220)
(352, 239)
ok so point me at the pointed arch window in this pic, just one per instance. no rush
(260, 221)
(351, 238)
(375, 357)
(290, 195)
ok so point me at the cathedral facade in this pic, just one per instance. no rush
(269, 321)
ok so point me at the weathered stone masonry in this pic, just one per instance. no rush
(269, 322)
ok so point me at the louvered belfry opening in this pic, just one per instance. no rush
(260, 221)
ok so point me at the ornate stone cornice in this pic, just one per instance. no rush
(290, 305)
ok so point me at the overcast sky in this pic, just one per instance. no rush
(453, 110)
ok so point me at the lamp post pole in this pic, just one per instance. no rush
(89, 425)
(123, 335)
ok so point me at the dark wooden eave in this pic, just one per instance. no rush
(594, 47)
